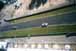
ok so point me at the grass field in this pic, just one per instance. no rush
(39, 30)
(43, 15)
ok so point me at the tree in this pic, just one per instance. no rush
(1, 5)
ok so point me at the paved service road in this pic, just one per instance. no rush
(68, 18)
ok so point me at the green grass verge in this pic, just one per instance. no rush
(43, 15)
(39, 30)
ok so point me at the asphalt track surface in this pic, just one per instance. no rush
(68, 18)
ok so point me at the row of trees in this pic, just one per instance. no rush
(36, 3)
